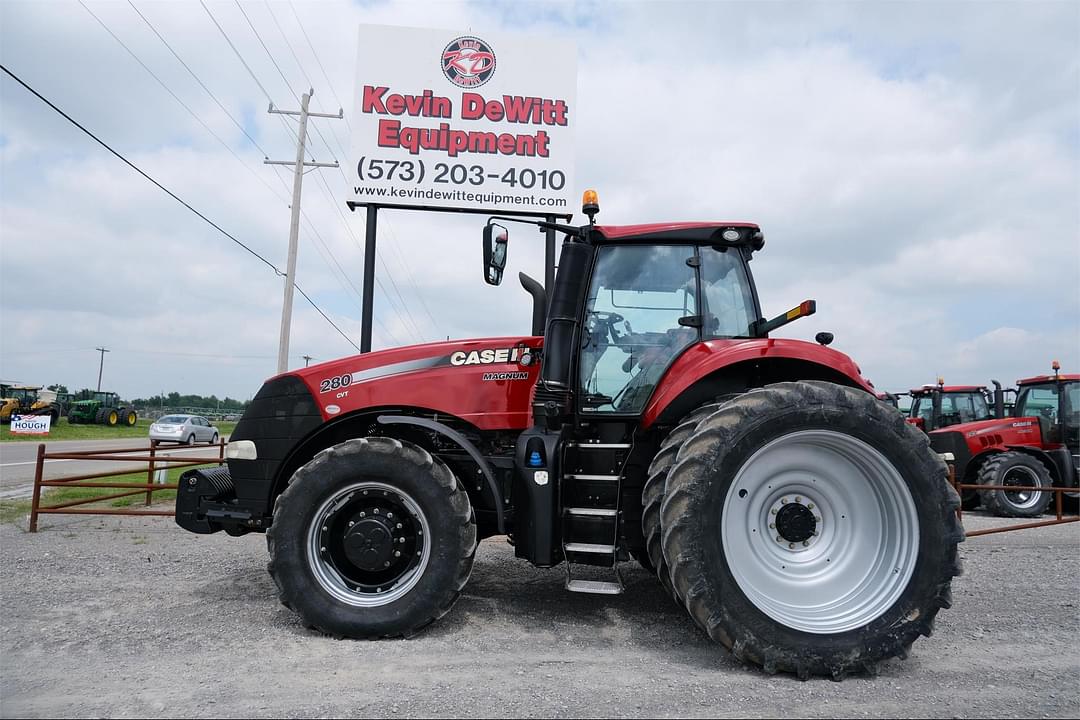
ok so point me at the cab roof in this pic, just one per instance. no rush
(1047, 378)
(948, 388)
(698, 232)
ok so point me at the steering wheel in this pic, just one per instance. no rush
(600, 317)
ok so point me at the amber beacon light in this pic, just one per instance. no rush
(590, 204)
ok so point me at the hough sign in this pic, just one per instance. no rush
(30, 424)
(453, 120)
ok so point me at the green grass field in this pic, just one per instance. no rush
(14, 510)
(66, 431)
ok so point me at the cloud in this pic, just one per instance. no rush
(915, 167)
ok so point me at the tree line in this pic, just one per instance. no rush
(173, 399)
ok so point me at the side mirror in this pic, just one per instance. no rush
(496, 239)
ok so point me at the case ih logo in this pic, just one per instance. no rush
(468, 62)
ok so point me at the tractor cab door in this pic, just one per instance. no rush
(647, 304)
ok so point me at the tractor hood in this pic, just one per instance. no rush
(482, 381)
(979, 428)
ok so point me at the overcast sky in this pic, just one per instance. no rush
(915, 168)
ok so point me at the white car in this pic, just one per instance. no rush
(188, 429)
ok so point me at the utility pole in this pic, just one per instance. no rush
(294, 225)
(307, 359)
(101, 366)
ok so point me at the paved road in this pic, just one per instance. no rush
(17, 462)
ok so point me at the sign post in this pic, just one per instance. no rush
(460, 122)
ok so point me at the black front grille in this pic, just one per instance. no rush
(952, 442)
(282, 413)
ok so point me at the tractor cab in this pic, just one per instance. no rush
(1054, 400)
(937, 406)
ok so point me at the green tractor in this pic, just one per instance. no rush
(102, 408)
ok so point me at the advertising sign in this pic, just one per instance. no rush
(466, 121)
(30, 424)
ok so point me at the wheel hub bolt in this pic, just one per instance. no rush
(397, 553)
(401, 539)
(810, 505)
(386, 564)
(399, 526)
(363, 514)
(798, 499)
(772, 526)
(351, 523)
(806, 543)
(791, 546)
(783, 501)
(779, 539)
(376, 511)
(390, 515)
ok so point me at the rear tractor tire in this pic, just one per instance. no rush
(128, 417)
(1015, 468)
(372, 538)
(810, 530)
(652, 494)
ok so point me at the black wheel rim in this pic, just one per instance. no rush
(368, 544)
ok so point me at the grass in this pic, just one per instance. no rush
(64, 430)
(14, 510)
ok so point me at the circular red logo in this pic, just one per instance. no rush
(468, 62)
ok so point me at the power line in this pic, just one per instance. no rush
(268, 53)
(171, 194)
(403, 312)
(295, 138)
(326, 144)
(288, 44)
(197, 79)
(238, 55)
(177, 98)
(326, 77)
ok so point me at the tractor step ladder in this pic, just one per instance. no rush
(590, 516)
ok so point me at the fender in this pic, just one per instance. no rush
(1058, 461)
(467, 446)
(712, 356)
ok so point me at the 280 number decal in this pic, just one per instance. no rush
(335, 383)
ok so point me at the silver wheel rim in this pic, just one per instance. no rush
(330, 578)
(865, 531)
(1022, 499)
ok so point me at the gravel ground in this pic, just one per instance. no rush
(132, 617)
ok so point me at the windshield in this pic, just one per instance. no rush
(173, 419)
(956, 408)
(1042, 401)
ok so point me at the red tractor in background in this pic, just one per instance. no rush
(1039, 446)
(800, 521)
(937, 406)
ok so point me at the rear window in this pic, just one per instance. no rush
(173, 419)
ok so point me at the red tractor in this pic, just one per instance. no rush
(1039, 446)
(799, 520)
(936, 406)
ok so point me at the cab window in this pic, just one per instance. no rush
(631, 329)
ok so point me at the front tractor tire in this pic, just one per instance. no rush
(809, 529)
(1015, 468)
(372, 538)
